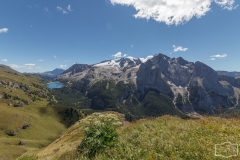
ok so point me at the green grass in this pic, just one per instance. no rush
(166, 137)
(45, 127)
(46, 124)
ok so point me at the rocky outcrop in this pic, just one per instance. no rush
(26, 126)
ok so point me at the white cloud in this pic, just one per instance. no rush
(4, 60)
(29, 64)
(60, 8)
(62, 66)
(178, 49)
(38, 68)
(173, 11)
(119, 55)
(15, 66)
(217, 56)
(26, 66)
(226, 4)
(3, 30)
(69, 8)
(40, 60)
(64, 11)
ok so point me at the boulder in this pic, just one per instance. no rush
(22, 143)
(26, 126)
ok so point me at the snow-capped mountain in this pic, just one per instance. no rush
(191, 86)
(120, 69)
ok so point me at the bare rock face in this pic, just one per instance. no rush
(76, 72)
(199, 85)
(152, 74)
(210, 93)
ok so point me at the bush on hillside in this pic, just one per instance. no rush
(100, 133)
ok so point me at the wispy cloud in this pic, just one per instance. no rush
(178, 49)
(15, 66)
(217, 56)
(38, 68)
(54, 56)
(119, 55)
(69, 8)
(65, 11)
(30, 64)
(227, 4)
(62, 66)
(60, 8)
(173, 11)
(25, 66)
(40, 60)
(46, 9)
(3, 30)
(4, 60)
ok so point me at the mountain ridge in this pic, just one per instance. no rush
(195, 84)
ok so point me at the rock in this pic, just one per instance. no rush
(15, 86)
(10, 83)
(20, 104)
(11, 133)
(4, 82)
(22, 143)
(26, 126)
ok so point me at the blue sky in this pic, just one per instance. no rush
(37, 36)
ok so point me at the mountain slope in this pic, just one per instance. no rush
(48, 75)
(192, 87)
(26, 122)
(165, 137)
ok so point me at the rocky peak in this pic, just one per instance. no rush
(76, 68)
(182, 61)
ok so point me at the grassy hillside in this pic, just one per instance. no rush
(25, 116)
(166, 137)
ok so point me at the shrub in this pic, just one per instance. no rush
(100, 133)
(98, 138)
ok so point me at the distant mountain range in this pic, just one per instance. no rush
(192, 87)
(230, 74)
(49, 75)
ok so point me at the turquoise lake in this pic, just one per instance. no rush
(54, 85)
